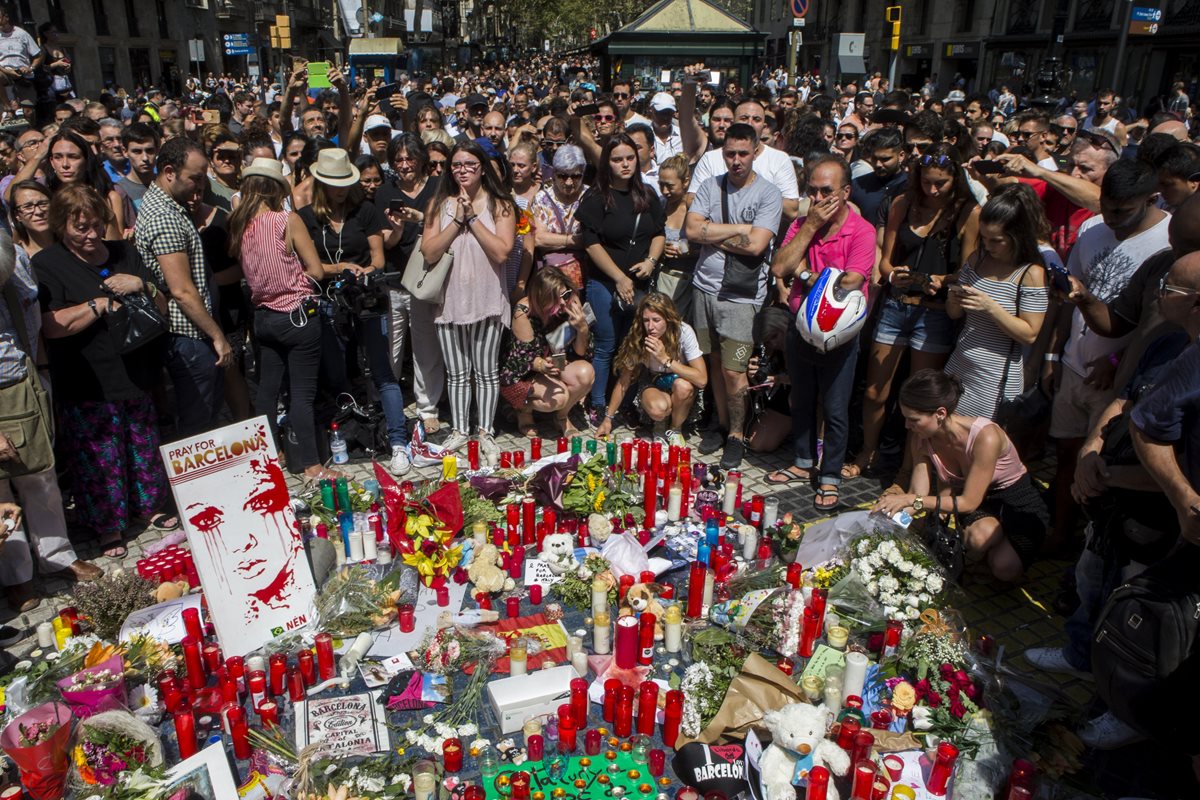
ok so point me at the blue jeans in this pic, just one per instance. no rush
(828, 378)
(373, 335)
(611, 326)
(199, 384)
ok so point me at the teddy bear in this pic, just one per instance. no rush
(558, 550)
(599, 529)
(799, 744)
(485, 572)
(644, 597)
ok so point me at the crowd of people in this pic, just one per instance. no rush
(605, 256)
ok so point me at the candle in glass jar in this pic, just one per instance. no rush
(579, 702)
(568, 736)
(324, 643)
(295, 684)
(185, 732)
(599, 596)
(601, 633)
(837, 637)
(943, 768)
(535, 746)
(673, 629)
(535, 449)
(268, 712)
(425, 783)
(696, 580)
(443, 596)
(592, 741)
(627, 642)
(579, 661)
(647, 707)
(212, 657)
(518, 655)
(191, 659)
(406, 617)
(623, 725)
(863, 779)
(191, 623)
(672, 717)
(535, 593)
(770, 512)
(612, 690)
(308, 667)
(258, 687)
(818, 784)
(452, 755)
(278, 666)
(656, 760)
(512, 606)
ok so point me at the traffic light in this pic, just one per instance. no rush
(892, 14)
(281, 32)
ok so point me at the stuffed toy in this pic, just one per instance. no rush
(485, 572)
(644, 597)
(799, 744)
(558, 550)
(599, 529)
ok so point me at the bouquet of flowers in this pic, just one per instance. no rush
(108, 601)
(717, 658)
(575, 588)
(432, 554)
(96, 689)
(828, 574)
(109, 744)
(766, 618)
(370, 779)
(898, 573)
(351, 601)
(36, 741)
(785, 536)
(596, 489)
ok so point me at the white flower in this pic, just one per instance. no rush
(872, 587)
(912, 600)
(371, 783)
(935, 583)
(919, 572)
(912, 612)
(411, 736)
(906, 565)
(427, 719)
(470, 729)
(922, 718)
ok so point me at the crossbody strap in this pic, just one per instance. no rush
(1012, 342)
(18, 319)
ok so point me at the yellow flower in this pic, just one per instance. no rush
(591, 483)
(599, 501)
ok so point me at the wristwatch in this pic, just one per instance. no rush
(804, 276)
(918, 503)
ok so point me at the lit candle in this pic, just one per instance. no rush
(673, 629)
(518, 656)
(864, 779)
(185, 732)
(191, 658)
(696, 581)
(324, 643)
(268, 712)
(627, 642)
(601, 641)
(278, 666)
(452, 755)
(837, 637)
(191, 623)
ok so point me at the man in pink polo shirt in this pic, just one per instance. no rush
(832, 235)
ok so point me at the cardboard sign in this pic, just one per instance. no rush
(233, 502)
(351, 724)
(163, 621)
(539, 572)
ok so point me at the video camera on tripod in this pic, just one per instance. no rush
(362, 296)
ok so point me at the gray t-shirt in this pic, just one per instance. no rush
(759, 204)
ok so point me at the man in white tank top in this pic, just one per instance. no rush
(1102, 117)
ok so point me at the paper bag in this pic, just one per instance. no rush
(760, 687)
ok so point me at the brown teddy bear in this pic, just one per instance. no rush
(485, 572)
(644, 597)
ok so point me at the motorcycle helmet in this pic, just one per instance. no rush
(830, 317)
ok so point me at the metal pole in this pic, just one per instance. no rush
(1119, 62)
(791, 59)
(892, 70)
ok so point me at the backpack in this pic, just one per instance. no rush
(1144, 648)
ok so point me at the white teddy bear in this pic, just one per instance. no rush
(799, 744)
(558, 550)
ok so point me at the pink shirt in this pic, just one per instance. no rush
(475, 286)
(1009, 468)
(851, 249)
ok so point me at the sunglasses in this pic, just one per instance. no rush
(604, 117)
(935, 161)
(850, 135)
(1021, 135)
(569, 176)
(227, 155)
(620, 94)
(920, 147)
(1096, 140)
(1063, 130)
(819, 191)
(550, 144)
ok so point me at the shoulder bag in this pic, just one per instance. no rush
(945, 542)
(742, 273)
(638, 293)
(136, 323)
(26, 417)
(1019, 416)
(426, 281)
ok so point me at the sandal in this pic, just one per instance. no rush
(164, 521)
(825, 491)
(526, 425)
(854, 470)
(787, 475)
(113, 546)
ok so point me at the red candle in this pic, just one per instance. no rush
(535, 449)
(212, 657)
(191, 623)
(881, 720)
(668, 591)
(579, 702)
(794, 573)
(649, 497)
(612, 689)
(820, 597)
(268, 713)
(519, 784)
(239, 731)
(172, 698)
(568, 736)
(626, 651)
(513, 606)
(626, 456)
(943, 769)
(643, 456)
(808, 633)
(656, 759)
(845, 738)
(818, 784)
(484, 602)
(452, 755)
(506, 460)
(685, 493)
(473, 453)
(535, 593)
(191, 658)
(278, 667)
(308, 668)
(406, 617)
(592, 742)
(258, 687)
(166, 681)
(516, 562)
(655, 456)
(443, 596)
(563, 444)
(891, 635)
(861, 749)
(295, 684)
(624, 584)
(623, 725)
(756, 510)
(695, 599)
(672, 717)
(185, 732)
(535, 746)
(324, 642)
(528, 515)
(864, 779)
(647, 707)
(646, 639)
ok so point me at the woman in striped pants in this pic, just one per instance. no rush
(474, 218)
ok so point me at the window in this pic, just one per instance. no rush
(966, 19)
(131, 19)
(923, 27)
(160, 7)
(56, 15)
(139, 66)
(108, 66)
(101, 17)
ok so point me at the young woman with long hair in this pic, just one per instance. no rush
(69, 159)
(473, 216)
(661, 359)
(932, 229)
(622, 221)
(674, 276)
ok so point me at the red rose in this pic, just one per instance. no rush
(934, 700)
(962, 678)
(957, 709)
(970, 691)
(947, 671)
(922, 688)
(460, 576)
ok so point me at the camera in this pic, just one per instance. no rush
(362, 296)
(767, 366)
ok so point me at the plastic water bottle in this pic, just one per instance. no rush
(337, 446)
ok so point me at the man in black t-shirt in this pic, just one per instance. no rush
(883, 150)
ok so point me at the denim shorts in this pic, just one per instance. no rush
(929, 330)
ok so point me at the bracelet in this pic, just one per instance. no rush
(92, 306)
(1051, 357)
(609, 416)
(667, 364)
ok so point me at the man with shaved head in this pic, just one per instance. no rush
(1172, 127)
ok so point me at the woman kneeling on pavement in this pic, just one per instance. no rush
(979, 475)
(661, 358)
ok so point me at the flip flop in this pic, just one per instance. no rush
(824, 492)
(114, 547)
(163, 521)
(783, 477)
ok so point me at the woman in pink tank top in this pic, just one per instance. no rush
(968, 466)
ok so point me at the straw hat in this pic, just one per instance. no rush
(333, 168)
(265, 168)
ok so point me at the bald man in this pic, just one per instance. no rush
(1172, 127)
(493, 128)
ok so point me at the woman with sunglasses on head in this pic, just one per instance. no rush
(931, 231)
(473, 217)
(536, 375)
(404, 203)
(69, 159)
(660, 359)
(623, 223)
(555, 240)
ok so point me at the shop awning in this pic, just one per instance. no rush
(382, 46)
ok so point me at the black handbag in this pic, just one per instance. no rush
(944, 542)
(1019, 416)
(136, 323)
(639, 291)
(743, 274)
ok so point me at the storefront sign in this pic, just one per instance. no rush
(233, 501)
(919, 51)
(962, 50)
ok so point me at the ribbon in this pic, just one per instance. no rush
(933, 623)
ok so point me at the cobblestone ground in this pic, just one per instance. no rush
(1017, 617)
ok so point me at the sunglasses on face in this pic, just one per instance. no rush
(437, 164)
(850, 135)
(819, 191)
(603, 117)
(1021, 135)
(620, 94)
(574, 177)
(227, 155)
(920, 147)
(1063, 130)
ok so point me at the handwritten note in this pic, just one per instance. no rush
(163, 621)
(824, 658)
(539, 572)
(351, 724)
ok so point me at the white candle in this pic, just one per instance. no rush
(729, 506)
(424, 785)
(45, 635)
(599, 596)
(770, 512)
(749, 543)
(855, 675)
(673, 629)
(370, 546)
(574, 645)
(256, 664)
(339, 550)
(384, 554)
(674, 500)
(356, 546)
(601, 634)
(708, 591)
(580, 663)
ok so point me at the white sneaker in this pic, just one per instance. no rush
(488, 450)
(1051, 659)
(454, 442)
(1106, 732)
(401, 460)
